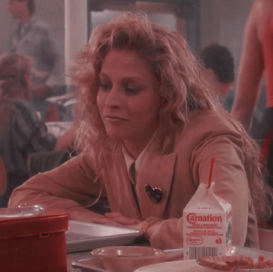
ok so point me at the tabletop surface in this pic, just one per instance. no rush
(254, 253)
(58, 128)
(72, 257)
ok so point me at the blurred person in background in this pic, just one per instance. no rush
(22, 132)
(219, 69)
(257, 60)
(220, 74)
(33, 38)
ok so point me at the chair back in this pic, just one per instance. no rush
(45, 161)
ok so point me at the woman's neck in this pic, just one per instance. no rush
(133, 149)
(136, 146)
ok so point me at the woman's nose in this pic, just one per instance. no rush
(114, 97)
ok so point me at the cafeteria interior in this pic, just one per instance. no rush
(142, 211)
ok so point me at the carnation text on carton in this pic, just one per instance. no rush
(206, 225)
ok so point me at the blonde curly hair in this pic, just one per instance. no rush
(181, 84)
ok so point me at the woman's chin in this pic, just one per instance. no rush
(115, 136)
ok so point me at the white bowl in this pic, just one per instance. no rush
(127, 258)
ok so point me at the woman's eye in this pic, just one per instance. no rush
(104, 86)
(132, 89)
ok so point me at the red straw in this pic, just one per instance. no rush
(211, 172)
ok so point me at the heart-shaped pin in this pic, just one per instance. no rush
(154, 193)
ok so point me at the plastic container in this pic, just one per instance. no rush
(33, 239)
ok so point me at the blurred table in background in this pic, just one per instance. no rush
(60, 108)
(58, 128)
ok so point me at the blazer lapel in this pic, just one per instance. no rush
(121, 185)
(158, 173)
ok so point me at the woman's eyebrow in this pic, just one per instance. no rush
(128, 78)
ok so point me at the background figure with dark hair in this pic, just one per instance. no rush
(22, 133)
(220, 75)
(32, 38)
(219, 71)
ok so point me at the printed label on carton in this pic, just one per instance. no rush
(207, 221)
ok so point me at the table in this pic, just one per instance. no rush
(72, 257)
(63, 100)
(252, 252)
(104, 235)
(58, 128)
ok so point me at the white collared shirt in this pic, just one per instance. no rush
(131, 162)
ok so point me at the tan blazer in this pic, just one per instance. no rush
(176, 163)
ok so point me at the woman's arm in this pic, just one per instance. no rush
(72, 186)
(230, 184)
(250, 71)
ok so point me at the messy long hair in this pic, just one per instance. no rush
(181, 84)
(13, 83)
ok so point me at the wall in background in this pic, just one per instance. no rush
(76, 29)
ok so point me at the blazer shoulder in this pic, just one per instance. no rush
(204, 126)
(212, 121)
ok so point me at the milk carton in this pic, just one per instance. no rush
(206, 225)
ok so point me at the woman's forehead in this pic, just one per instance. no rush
(125, 60)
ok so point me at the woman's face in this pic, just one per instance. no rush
(128, 97)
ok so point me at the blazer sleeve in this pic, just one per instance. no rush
(230, 184)
(71, 184)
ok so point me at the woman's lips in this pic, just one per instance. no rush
(114, 118)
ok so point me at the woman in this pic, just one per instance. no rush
(21, 131)
(150, 129)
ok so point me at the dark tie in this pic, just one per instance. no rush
(132, 176)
